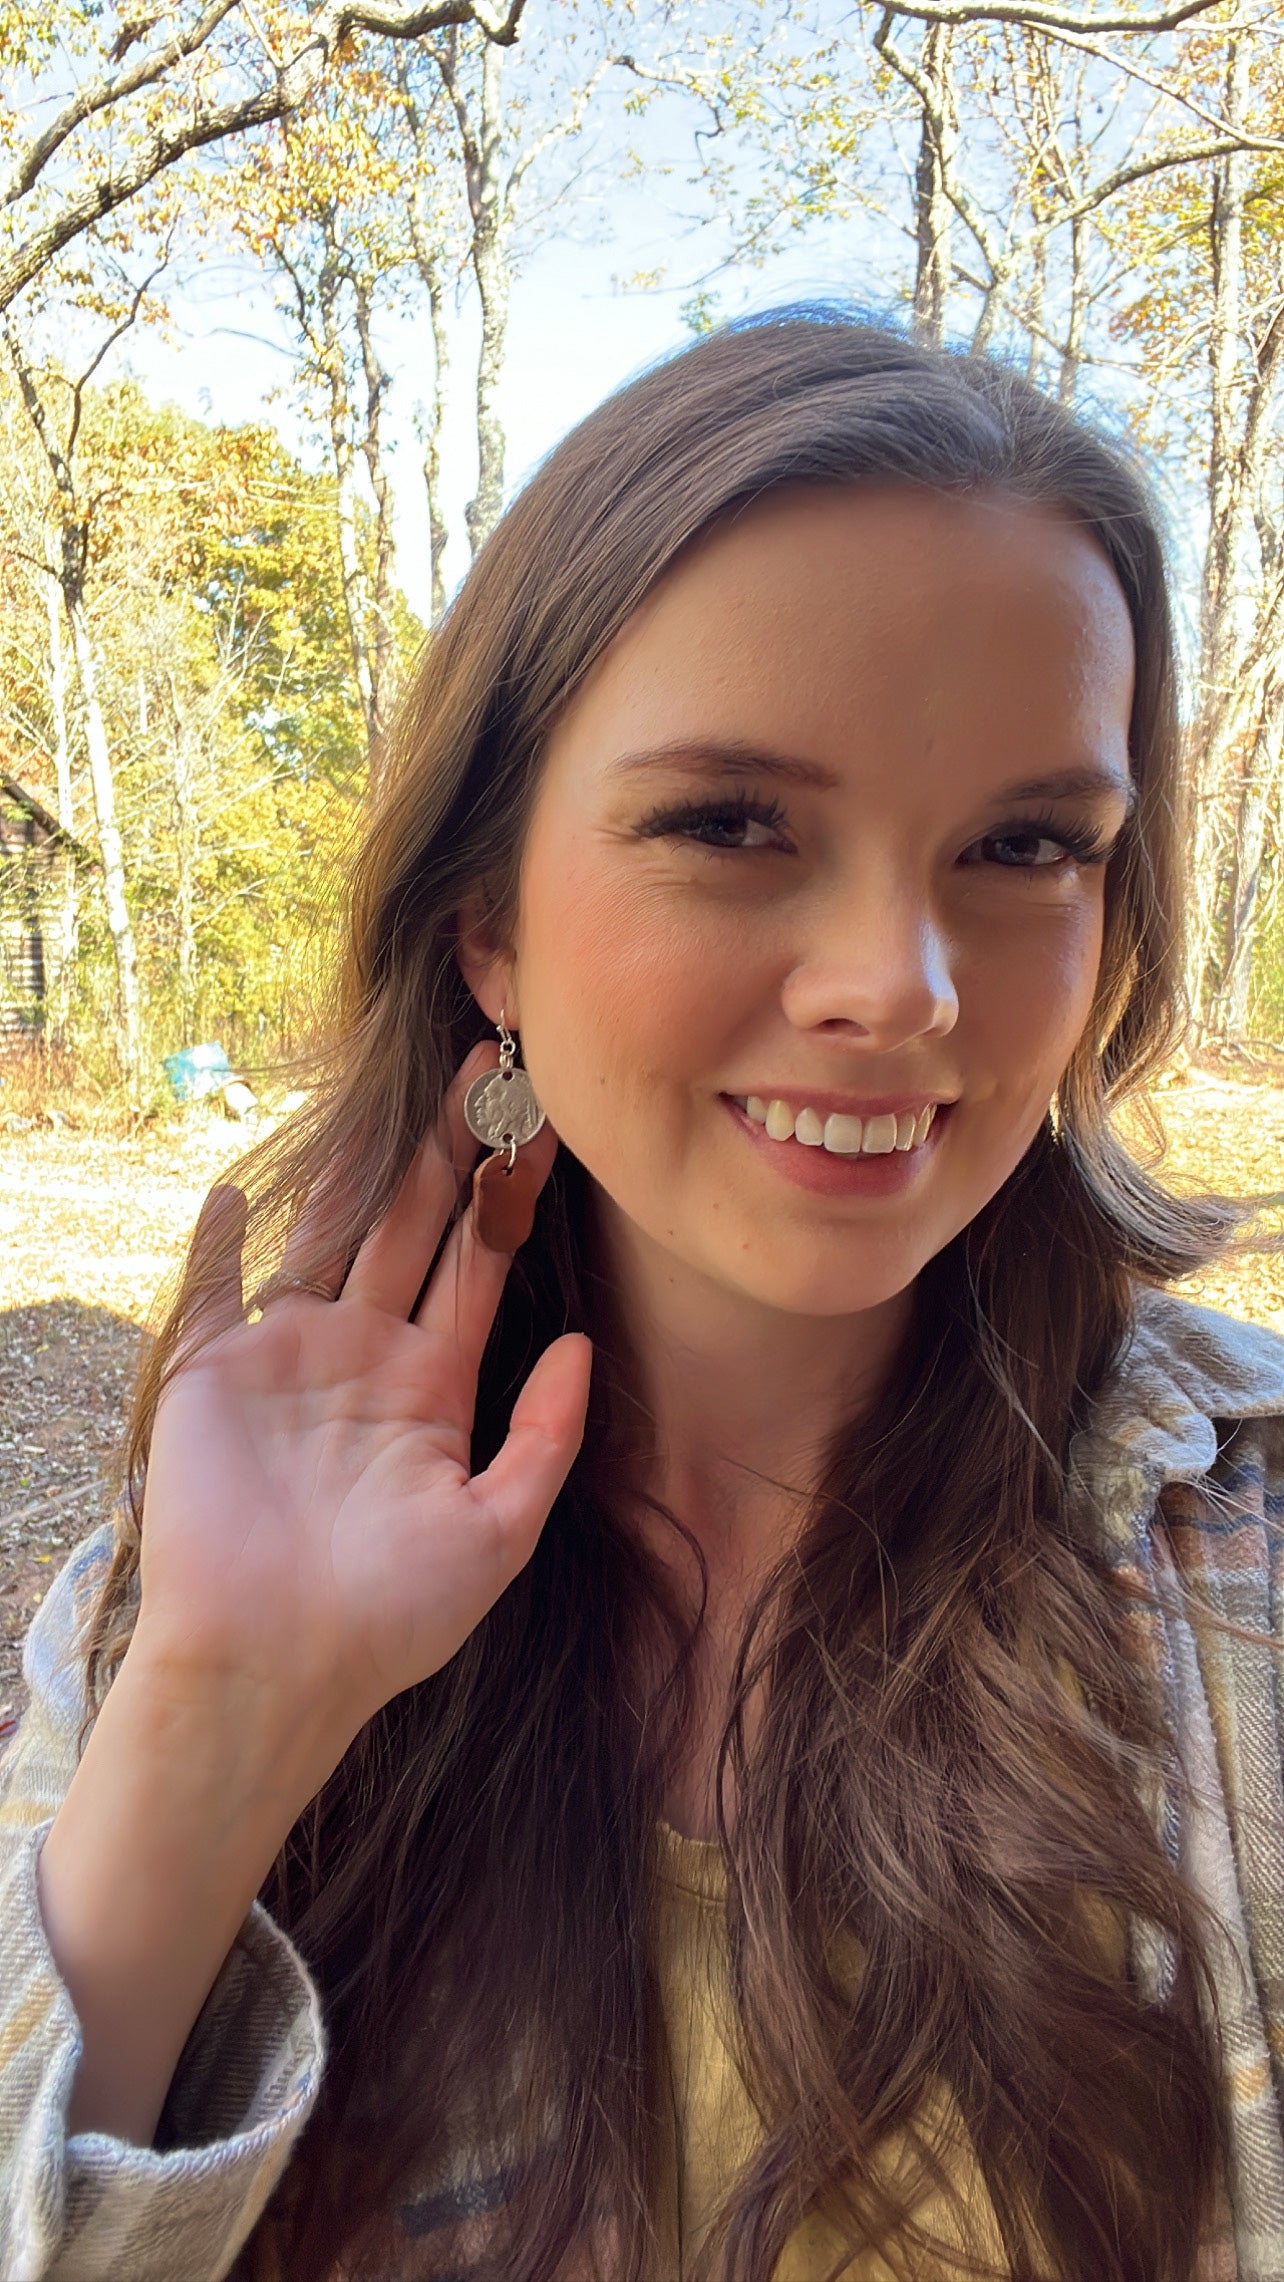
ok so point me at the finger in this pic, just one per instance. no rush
(545, 1432)
(391, 1264)
(210, 1298)
(308, 1253)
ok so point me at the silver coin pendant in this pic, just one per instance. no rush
(500, 1106)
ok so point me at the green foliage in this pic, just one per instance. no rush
(700, 313)
(273, 585)
(215, 606)
(1268, 967)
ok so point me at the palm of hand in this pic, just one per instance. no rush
(310, 1519)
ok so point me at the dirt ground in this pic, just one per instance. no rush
(91, 1224)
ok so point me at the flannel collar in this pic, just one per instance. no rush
(1184, 1367)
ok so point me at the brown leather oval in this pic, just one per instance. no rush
(504, 1202)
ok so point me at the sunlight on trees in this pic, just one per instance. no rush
(203, 640)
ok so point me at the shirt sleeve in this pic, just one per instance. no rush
(87, 2207)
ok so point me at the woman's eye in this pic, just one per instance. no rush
(730, 830)
(1032, 850)
(730, 826)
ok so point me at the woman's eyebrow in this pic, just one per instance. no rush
(1074, 784)
(737, 757)
(729, 757)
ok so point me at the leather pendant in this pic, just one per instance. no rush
(504, 1202)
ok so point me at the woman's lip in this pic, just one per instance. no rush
(844, 1104)
(825, 1174)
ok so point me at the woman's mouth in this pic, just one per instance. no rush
(841, 1134)
(836, 1152)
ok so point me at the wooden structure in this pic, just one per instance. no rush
(34, 853)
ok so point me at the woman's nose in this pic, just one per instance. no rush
(880, 970)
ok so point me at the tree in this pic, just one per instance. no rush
(69, 518)
(437, 230)
(148, 88)
(502, 136)
(322, 200)
(416, 163)
(1207, 322)
(213, 600)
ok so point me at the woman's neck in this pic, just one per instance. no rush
(745, 1399)
(745, 1402)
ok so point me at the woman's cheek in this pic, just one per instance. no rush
(621, 997)
(1029, 990)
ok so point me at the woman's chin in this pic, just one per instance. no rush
(820, 1288)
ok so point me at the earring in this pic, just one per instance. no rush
(500, 1109)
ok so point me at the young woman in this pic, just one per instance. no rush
(793, 1788)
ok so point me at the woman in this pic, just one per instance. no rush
(778, 1811)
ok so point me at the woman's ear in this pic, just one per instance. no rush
(485, 963)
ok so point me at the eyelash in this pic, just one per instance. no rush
(1083, 843)
(681, 822)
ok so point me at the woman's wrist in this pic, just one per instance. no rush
(172, 1820)
(262, 1742)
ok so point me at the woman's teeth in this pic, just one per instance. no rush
(842, 1136)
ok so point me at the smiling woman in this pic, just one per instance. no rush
(775, 1810)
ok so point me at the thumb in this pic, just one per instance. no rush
(545, 1432)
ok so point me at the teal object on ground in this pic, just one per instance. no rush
(198, 1070)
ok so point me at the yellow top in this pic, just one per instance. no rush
(715, 2125)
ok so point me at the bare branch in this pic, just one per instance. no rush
(108, 343)
(109, 89)
(559, 132)
(1171, 94)
(1047, 19)
(209, 121)
(960, 199)
(1124, 176)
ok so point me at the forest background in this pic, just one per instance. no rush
(351, 210)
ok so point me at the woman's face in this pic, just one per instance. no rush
(810, 908)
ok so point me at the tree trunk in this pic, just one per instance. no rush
(1072, 357)
(1219, 632)
(187, 848)
(73, 547)
(356, 587)
(383, 660)
(938, 136)
(1035, 306)
(490, 268)
(1259, 793)
(109, 842)
(438, 533)
(62, 981)
(991, 309)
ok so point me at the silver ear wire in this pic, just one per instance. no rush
(500, 1106)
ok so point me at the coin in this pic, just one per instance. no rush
(500, 1106)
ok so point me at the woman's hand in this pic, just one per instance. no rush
(313, 1539)
(313, 1543)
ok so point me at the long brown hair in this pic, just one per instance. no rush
(473, 1888)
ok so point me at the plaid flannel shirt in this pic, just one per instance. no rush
(1182, 1464)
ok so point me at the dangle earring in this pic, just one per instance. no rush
(500, 1109)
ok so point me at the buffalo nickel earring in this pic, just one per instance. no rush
(500, 1109)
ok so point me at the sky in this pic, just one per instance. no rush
(577, 329)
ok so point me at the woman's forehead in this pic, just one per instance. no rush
(826, 617)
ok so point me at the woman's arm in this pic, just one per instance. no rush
(75, 2208)
(313, 1543)
(170, 1824)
